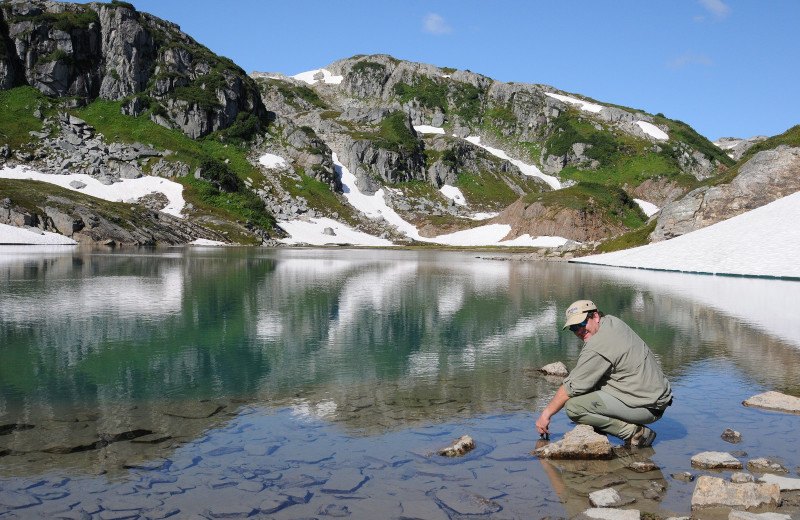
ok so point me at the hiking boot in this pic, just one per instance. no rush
(643, 437)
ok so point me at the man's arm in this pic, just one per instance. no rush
(556, 404)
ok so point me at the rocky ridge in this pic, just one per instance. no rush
(113, 52)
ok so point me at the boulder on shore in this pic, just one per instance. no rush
(582, 443)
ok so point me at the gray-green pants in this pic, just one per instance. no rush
(607, 414)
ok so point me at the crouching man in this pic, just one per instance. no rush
(617, 386)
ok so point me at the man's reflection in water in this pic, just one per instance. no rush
(573, 480)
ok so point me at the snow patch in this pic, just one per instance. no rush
(652, 130)
(126, 190)
(584, 105)
(649, 208)
(272, 161)
(11, 235)
(427, 129)
(311, 76)
(451, 192)
(761, 242)
(527, 169)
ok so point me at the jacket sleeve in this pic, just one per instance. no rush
(587, 375)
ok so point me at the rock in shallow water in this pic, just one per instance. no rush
(555, 369)
(716, 460)
(775, 401)
(716, 492)
(459, 448)
(582, 443)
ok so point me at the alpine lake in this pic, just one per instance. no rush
(205, 382)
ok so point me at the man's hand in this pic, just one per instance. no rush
(542, 424)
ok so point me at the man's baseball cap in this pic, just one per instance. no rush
(577, 312)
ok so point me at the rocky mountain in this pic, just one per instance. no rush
(104, 89)
(113, 52)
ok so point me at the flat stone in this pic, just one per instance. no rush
(17, 500)
(273, 502)
(198, 410)
(466, 503)
(228, 510)
(426, 509)
(555, 369)
(603, 513)
(642, 466)
(459, 447)
(582, 443)
(345, 481)
(764, 465)
(608, 497)
(774, 401)
(785, 483)
(716, 460)
(717, 492)
(744, 515)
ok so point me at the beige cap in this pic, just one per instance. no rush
(577, 312)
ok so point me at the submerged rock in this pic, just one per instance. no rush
(774, 401)
(717, 492)
(581, 443)
(458, 448)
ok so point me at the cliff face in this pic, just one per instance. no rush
(764, 178)
(113, 52)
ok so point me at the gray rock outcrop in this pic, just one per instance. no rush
(110, 51)
(766, 177)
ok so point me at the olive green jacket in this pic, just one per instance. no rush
(617, 361)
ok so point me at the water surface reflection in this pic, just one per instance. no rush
(141, 361)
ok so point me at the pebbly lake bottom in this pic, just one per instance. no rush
(208, 383)
(255, 460)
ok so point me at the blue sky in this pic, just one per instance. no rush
(725, 67)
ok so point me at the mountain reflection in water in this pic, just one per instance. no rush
(144, 351)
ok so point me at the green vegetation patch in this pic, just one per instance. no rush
(17, 106)
(224, 163)
(429, 93)
(394, 135)
(791, 137)
(319, 196)
(486, 189)
(291, 93)
(66, 20)
(678, 130)
(590, 197)
(636, 238)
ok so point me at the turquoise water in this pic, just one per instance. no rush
(298, 382)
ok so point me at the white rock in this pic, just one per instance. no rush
(744, 515)
(775, 401)
(716, 460)
(602, 513)
(555, 369)
(786, 483)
